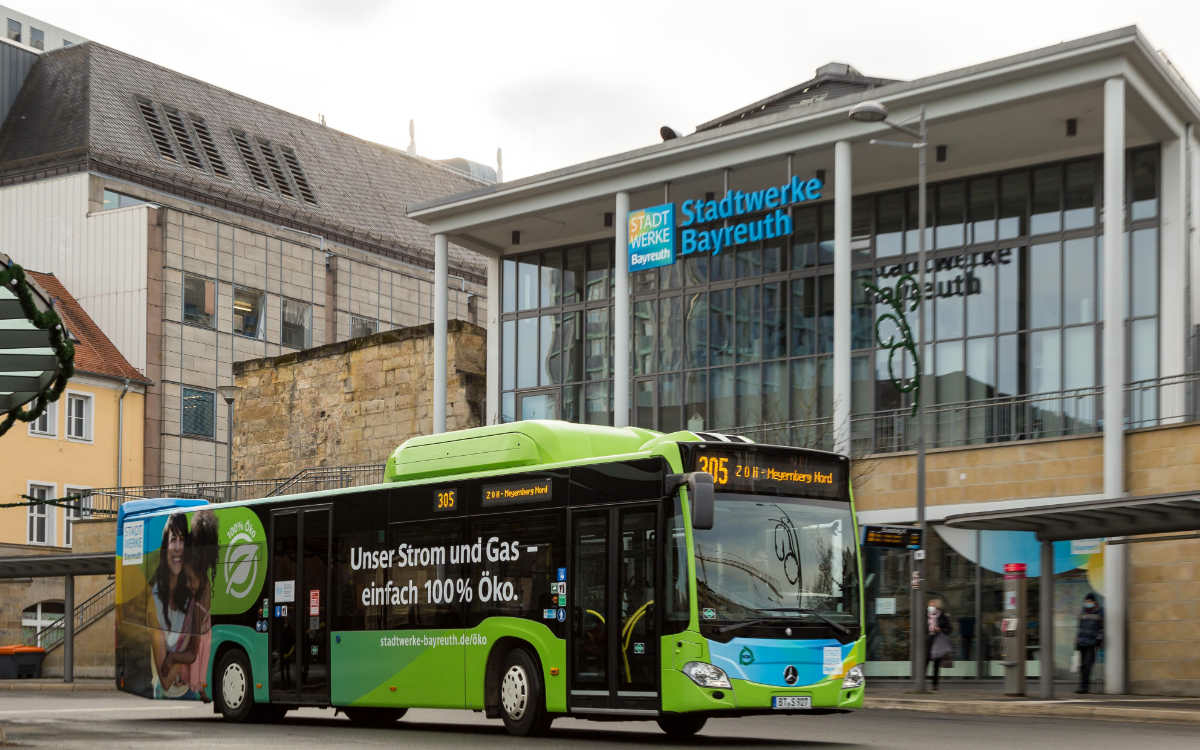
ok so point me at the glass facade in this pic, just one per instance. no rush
(743, 340)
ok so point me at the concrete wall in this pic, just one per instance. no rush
(351, 402)
(1164, 576)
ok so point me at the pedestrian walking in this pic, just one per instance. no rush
(939, 647)
(1089, 637)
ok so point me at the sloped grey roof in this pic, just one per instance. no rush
(78, 109)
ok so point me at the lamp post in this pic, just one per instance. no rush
(229, 393)
(875, 111)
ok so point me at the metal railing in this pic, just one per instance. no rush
(1078, 411)
(108, 500)
(91, 609)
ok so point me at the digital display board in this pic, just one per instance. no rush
(893, 537)
(445, 499)
(515, 493)
(769, 470)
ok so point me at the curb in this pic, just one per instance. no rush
(1052, 709)
(57, 687)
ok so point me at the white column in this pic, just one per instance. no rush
(1173, 238)
(440, 294)
(621, 373)
(842, 296)
(493, 340)
(1114, 374)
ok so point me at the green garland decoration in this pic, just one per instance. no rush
(12, 277)
(895, 299)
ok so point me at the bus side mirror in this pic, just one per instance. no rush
(700, 496)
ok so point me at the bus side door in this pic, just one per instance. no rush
(615, 617)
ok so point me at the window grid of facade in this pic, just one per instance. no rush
(745, 338)
(39, 528)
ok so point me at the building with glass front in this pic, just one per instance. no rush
(718, 281)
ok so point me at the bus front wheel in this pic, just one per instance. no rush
(681, 726)
(522, 695)
(235, 691)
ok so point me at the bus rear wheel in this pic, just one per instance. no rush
(235, 690)
(522, 695)
(681, 726)
(375, 717)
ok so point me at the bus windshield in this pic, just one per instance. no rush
(778, 558)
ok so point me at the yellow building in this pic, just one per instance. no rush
(91, 437)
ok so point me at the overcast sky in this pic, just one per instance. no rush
(554, 83)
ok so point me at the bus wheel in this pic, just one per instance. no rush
(375, 717)
(522, 697)
(681, 726)
(235, 691)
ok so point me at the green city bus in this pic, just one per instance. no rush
(527, 570)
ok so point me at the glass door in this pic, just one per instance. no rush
(299, 631)
(614, 633)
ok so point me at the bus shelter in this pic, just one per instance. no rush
(67, 567)
(1121, 521)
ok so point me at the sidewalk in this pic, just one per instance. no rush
(56, 685)
(987, 698)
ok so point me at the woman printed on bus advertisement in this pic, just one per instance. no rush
(170, 600)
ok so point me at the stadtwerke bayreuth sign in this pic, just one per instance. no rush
(652, 230)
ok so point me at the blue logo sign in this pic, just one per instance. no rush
(278, 610)
(652, 237)
(548, 614)
(562, 574)
(562, 615)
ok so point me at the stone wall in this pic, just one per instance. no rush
(352, 402)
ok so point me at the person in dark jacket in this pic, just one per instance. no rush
(937, 623)
(1089, 638)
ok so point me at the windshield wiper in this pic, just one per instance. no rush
(835, 625)
(750, 623)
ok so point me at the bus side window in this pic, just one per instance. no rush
(521, 556)
(676, 593)
(429, 563)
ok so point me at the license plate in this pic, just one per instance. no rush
(791, 701)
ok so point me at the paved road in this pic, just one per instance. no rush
(83, 720)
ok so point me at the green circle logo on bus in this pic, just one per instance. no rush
(243, 565)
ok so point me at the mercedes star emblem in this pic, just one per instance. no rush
(790, 675)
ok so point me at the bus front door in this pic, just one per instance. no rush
(299, 631)
(614, 620)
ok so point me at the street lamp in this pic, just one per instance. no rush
(229, 393)
(875, 111)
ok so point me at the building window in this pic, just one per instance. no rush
(37, 39)
(14, 30)
(248, 306)
(199, 300)
(297, 324)
(39, 515)
(37, 618)
(198, 415)
(47, 424)
(362, 326)
(113, 199)
(742, 341)
(79, 506)
(67, 43)
(79, 416)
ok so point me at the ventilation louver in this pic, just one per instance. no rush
(183, 138)
(209, 146)
(251, 160)
(158, 133)
(293, 162)
(281, 180)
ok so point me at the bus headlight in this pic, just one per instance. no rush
(706, 675)
(854, 679)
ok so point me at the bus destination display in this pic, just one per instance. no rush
(772, 471)
(515, 493)
(445, 499)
